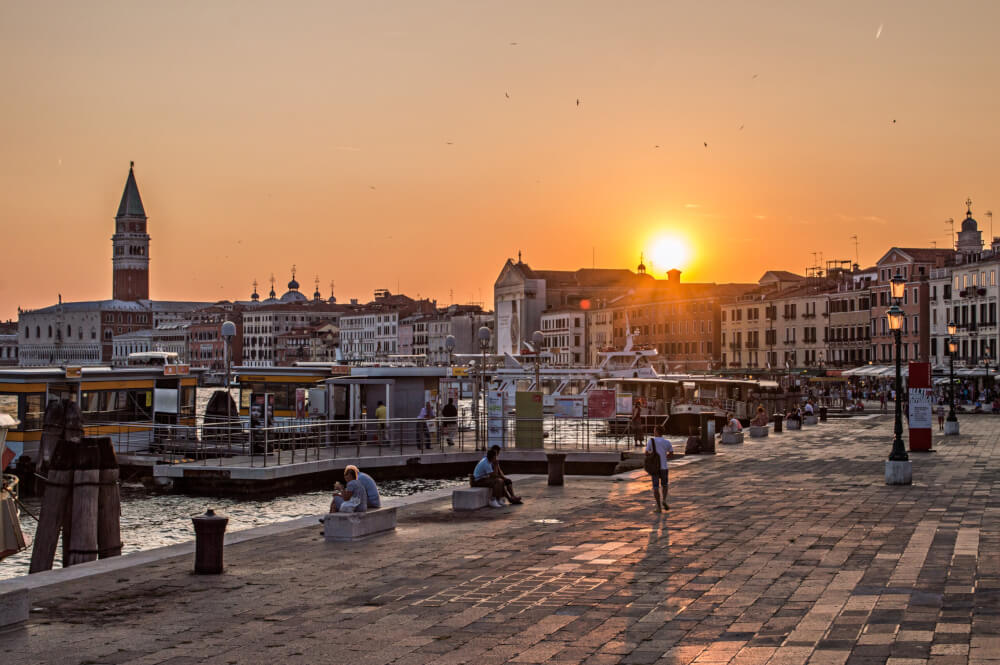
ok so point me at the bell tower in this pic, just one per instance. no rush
(131, 245)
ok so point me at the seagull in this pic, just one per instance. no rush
(449, 143)
(741, 128)
(371, 186)
(706, 143)
(578, 102)
(513, 43)
(755, 76)
(507, 95)
(894, 121)
(656, 146)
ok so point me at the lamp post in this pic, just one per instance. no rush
(898, 469)
(484, 343)
(951, 422)
(228, 332)
(537, 338)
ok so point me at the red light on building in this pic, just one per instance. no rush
(585, 304)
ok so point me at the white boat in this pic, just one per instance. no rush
(518, 373)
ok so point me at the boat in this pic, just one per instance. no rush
(12, 539)
(518, 373)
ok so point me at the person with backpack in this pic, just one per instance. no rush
(450, 423)
(658, 450)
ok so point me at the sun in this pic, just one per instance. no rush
(669, 252)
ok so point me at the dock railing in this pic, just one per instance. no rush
(291, 441)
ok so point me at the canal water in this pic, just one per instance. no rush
(151, 519)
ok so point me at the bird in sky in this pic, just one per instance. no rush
(371, 186)
(894, 121)
(656, 146)
(755, 76)
(507, 95)
(449, 143)
(706, 143)
(578, 102)
(513, 43)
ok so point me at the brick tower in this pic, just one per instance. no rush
(131, 245)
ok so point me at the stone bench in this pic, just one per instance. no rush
(13, 607)
(758, 431)
(732, 437)
(340, 527)
(793, 424)
(810, 420)
(470, 498)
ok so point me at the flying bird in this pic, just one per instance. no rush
(449, 143)
(578, 102)
(513, 43)
(507, 95)
(706, 143)
(894, 121)
(656, 146)
(741, 128)
(371, 186)
(754, 76)
(878, 33)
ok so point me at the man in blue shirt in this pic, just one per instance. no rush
(488, 474)
(356, 481)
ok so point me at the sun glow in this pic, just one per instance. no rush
(668, 252)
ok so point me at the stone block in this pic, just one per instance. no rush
(951, 427)
(898, 473)
(793, 424)
(758, 431)
(339, 527)
(470, 498)
(732, 437)
(13, 607)
(810, 420)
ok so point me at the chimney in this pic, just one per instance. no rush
(674, 276)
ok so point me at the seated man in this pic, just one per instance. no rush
(353, 498)
(488, 474)
(371, 490)
(809, 408)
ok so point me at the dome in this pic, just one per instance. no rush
(293, 296)
(969, 224)
(293, 285)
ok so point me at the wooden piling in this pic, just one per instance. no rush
(52, 433)
(109, 506)
(58, 490)
(86, 485)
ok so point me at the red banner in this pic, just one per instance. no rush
(601, 404)
(920, 406)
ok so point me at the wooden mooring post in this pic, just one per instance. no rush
(82, 498)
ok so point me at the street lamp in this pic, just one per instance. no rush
(449, 344)
(536, 339)
(898, 469)
(951, 423)
(228, 333)
(484, 343)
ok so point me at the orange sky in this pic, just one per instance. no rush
(317, 133)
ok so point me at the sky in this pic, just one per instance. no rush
(415, 146)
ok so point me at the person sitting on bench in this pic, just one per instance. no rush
(760, 420)
(487, 474)
(353, 498)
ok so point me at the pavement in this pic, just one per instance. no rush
(788, 550)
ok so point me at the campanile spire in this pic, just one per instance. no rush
(130, 258)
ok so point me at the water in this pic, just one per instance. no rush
(151, 519)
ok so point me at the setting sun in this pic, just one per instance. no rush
(668, 252)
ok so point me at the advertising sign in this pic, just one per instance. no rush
(494, 418)
(601, 404)
(262, 410)
(623, 404)
(921, 399)
(300, 403)
(569, 407)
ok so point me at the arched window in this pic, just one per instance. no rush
(69, 331)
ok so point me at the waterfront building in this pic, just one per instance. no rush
(8, 343)
(521, 295)
(318, 343)
(371, 332)
(916, 265)
(778, 325)
(848, 334)
(565, 333)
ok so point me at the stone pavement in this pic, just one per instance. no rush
(784, 551)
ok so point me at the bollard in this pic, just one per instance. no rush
(557, 463)
(822, 414)
(209, 532)
(778, 418)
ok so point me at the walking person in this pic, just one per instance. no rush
(450, 423)
(940, 414)
(662, 450)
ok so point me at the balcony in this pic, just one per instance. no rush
(809, 315)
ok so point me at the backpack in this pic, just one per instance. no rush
(651, 463)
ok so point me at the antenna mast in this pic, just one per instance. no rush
(951, 232)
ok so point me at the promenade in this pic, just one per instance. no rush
(784, 551)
